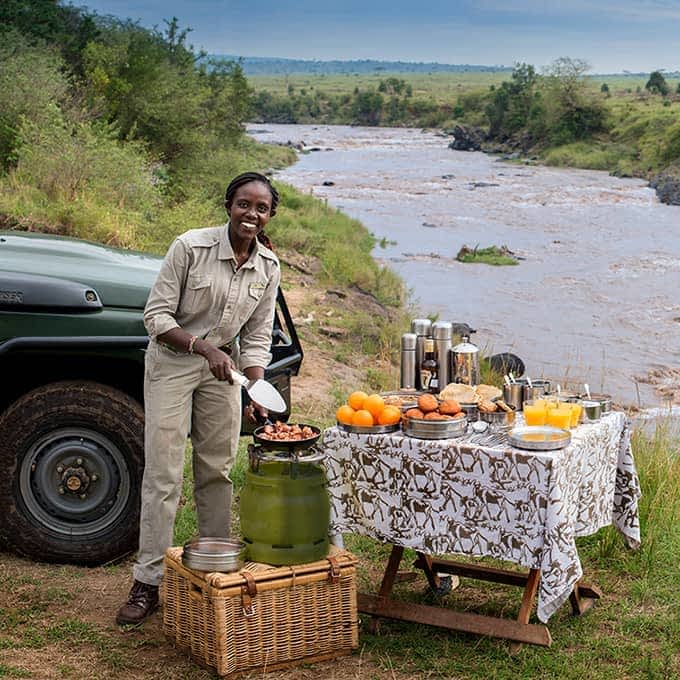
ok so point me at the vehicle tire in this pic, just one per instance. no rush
(72, 456)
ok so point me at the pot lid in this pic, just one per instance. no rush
(465, 347)
(421, 326)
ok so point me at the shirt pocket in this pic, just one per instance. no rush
(198, 293)
(256, 290)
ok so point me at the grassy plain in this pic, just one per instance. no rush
(440, 87)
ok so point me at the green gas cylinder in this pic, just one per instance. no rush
(285, 513)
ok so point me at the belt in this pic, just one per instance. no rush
(227, 348)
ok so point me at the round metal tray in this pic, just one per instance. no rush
(213, 554)
(435, 429)
(374, 429)
(539, 437)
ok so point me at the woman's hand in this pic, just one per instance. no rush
(220, 363)
(256, 413)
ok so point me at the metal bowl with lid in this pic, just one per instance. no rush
(213, 554)
(421, 428)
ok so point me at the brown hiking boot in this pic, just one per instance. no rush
(141, 603)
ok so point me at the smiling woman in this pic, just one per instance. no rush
(210, 312)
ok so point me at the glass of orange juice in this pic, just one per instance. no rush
(576, 409)
(534, 411)
(559, 416)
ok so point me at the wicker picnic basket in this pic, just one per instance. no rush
(262, 617)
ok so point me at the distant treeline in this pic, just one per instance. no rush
(561, 114)
(257, 66)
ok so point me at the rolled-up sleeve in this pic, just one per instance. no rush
(161, 307)
(256, 335)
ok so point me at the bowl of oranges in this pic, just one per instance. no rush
(368, 414)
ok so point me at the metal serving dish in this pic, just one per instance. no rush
(406, 398)
(604, 399)
(213, 554)
(286, 444)
(435, 429)
(470, 410)
(373, 429)
(498, 420)
(539, 437)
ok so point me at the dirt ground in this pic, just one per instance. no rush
(58, 621)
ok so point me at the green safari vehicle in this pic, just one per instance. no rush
(72, 347)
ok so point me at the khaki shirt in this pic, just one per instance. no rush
(200, 289)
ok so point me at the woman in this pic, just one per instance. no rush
(210, 309)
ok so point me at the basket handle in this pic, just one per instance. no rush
(248, 592)
(334, 572)
(195, 591)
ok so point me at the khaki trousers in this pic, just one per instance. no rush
(182, 395)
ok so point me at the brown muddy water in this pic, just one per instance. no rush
(596, 295)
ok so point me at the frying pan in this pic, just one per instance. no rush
(283, 444)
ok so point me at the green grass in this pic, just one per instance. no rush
(493, 255)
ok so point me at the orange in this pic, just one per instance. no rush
(344, 414)
(390, 415)
(356, 399)
(363, 418)
(375, 404)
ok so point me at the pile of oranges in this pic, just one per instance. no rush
(366, 410)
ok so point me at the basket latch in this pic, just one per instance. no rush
(334, 572)
(248, 592)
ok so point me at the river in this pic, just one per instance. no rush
(595, 297)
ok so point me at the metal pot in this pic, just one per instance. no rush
(464, 363)
(213, 554)
(498, 420)
(604, 399)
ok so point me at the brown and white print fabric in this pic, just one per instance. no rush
(453, 496)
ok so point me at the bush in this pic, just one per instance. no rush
(33, 86)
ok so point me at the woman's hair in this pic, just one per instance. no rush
(245, 178)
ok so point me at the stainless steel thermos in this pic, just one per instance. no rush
(423, 329)
(408, 361)
(442, 334)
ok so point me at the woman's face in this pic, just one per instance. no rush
(250, 210)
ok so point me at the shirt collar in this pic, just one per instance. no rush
(226, 252)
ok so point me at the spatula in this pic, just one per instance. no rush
(261, 392)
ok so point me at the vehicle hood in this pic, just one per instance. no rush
(122, 278)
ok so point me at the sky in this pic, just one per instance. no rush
(612, 36)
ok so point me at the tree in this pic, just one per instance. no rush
(657, 84)
(367, 107)
(33, 87)
(510, 106)
(49, 21)
(572, 113)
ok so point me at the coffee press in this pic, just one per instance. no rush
(464, 362)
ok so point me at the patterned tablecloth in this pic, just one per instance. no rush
(454, 496)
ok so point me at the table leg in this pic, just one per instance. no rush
(382, 605)
(583, 597)
(388, 580)
(527, 604)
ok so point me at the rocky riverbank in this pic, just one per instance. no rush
(469, 138)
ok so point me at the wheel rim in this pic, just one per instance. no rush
(75, 481)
